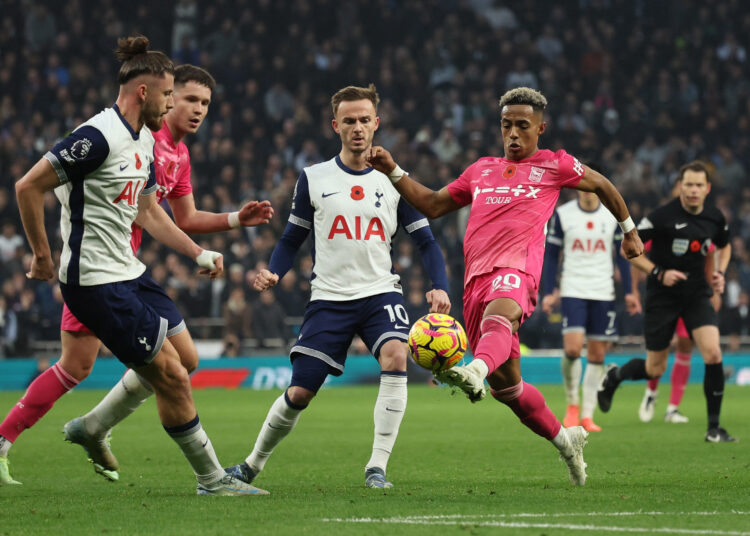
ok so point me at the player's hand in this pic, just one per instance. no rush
(550, 301)
(256, 213)
(380, 159)
(211, 262)
(439, 301)
(265, 279)
(633, 304)
(672, 277)
(41, 268)
(632, 245)
(718, 282)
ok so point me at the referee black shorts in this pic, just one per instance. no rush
(665, 305)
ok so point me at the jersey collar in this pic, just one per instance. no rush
(133, 133)
(349, 170)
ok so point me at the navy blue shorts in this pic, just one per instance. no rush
(595, 318)
(329, 327)
(131, 318)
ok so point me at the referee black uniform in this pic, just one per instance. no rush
(679, 241)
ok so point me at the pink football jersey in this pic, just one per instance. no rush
(172, 165)
(511, 202)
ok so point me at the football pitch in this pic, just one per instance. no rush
(458, 468)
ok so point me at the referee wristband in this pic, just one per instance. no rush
(626, 225)
(657, 272)
(397, 174)
(233, 218)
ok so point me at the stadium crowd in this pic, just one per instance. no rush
(638, 86)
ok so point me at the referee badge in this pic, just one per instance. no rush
(680, 246)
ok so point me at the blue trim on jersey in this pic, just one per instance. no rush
(76, 202)
(624, 265)
(133, 133)
(150, 186)
(349, 170)
(79, 154)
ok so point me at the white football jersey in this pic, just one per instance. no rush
(103, 166)
(587, 240)
(354, 216)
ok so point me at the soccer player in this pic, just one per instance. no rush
(103, 174)
(192, 96)
(512, 198)
(590, 238)
(682, 232)
(353, 214)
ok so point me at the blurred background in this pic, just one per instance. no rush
(640, 86)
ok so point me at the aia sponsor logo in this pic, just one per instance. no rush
(588, 245)
(130, 192)
(359, 229)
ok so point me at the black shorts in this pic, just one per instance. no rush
(663, 308)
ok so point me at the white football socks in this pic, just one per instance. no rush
(122, 400)
(571, 373)
(592, 378)
(388, 414)
(280, 420)
(197, 448)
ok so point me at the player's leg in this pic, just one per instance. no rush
(384, 328)
(132, 390)
(325, 335)
(79, 353)
(680, 374)
(525, 400)
(592, 379)
(660, 318)
(308, 375)
(707, 340)
(574, 330)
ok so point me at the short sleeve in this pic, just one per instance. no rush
(570, 170)
(183, 186)
(151, 184)
(646, 229)
(302, 209)
(460, 189)
(81, 153)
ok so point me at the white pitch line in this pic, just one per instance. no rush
(579, 514)
(451, 520)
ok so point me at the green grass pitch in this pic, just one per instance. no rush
(458, 468)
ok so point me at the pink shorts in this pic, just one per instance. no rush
(71, 323)
(501, 283)
(681, 330)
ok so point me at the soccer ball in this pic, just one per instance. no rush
(437, 342)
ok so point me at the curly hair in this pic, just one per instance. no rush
(524, 95)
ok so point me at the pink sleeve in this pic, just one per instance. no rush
(460, 189)
(569, 169)
(182, 186)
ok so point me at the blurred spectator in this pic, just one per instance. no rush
(238, 316)
(269, 323)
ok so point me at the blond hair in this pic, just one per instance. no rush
(524, 95)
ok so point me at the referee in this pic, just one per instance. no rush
(681, 232)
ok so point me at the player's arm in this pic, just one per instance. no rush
(30, 190)
(431, 203)
(159, 225)
(297, 228)
(629, 285)
(721, 261)
(432, 258)
(592, 181)
(192, 221)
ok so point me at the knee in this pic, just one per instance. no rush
(655, 370)
(572, 355)
(78, 368)
(299, 396)
(172, 378)
(392, 357)
(189, 361)
(712, 356)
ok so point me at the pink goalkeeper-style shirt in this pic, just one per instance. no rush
(511, 203)
(172, 167)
